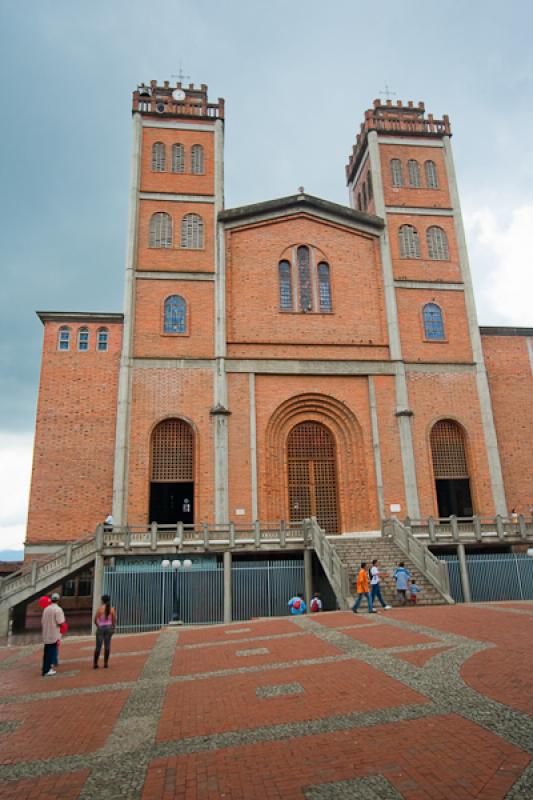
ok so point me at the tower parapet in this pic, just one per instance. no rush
(398, 120)
(176, 101)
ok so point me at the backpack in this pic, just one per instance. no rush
(296, 603)
(314, 604)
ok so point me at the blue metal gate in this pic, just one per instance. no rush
(148, 595)
(493, 576)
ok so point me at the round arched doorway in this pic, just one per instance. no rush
(312, 475)
(172, 473)
(450, 469)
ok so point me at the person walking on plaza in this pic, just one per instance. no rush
(402, 577)
(375, 580)
(297, 604)
(105, 620)
(51, 620)
(363, 590)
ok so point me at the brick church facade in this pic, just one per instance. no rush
(289, 358)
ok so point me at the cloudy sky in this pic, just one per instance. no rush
(296, 78)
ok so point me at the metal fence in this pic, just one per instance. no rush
(147, 595)
(493, 576)
(263, 588)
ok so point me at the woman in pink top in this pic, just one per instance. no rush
(105, 620)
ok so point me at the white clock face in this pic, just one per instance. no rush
(178, 95)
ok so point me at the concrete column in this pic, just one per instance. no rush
(402, 400)
(487, 417)
(404, 416)
(463, 571)
(120, 475)
(98, 584)
(4, 620)
(376, 445)
(253, 445)
(308, 576)
(220, 438)
(227, 586)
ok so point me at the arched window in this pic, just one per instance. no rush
(285, 286)
(437, 243)
(160, 230)
(172, 451)
(63, 339)
(304, 279)
(192, 232)
(83, 338)
(396, 172)
(409, 242)
(178, 158)
(197, 159)
(158, 157)
(414, 173)
(433, 322)
(102, 339)
(369, 186)
(175, 315)
(324, 288)
(365, 201)
(432, 181)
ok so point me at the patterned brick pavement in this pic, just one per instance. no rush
(429, 702)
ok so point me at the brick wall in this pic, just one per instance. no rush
(72, 478)
(510, 376)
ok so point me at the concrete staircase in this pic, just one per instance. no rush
(353, 550)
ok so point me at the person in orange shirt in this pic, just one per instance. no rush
(363, 590)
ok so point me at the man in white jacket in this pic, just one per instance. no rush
(52, 618)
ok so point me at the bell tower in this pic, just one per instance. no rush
(401, 169)
(173, 280)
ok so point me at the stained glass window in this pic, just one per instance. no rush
(175, 314)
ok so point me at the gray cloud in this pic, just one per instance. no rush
(296, 79)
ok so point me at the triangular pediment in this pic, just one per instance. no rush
(301, 204)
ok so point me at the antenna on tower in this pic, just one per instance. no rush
(181, 76)
(387, 92)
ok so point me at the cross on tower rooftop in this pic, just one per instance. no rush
(387, 92)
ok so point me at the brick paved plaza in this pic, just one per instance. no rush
(414, 703)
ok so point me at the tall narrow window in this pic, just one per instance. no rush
(83, 339)
(365, 201)
(437, 244)
(433, 322)
(369, 186)
(160, 230)
(432, 181)
(396, 172)
(414, 172)
(175, 315)
(192, 232)
(409, 242)
(102, 340)
(324, 288)
(359, 203)
(158, 157)
(285, 286)
(63, 340)
(197, 159)
(304, 279)
(178, 158)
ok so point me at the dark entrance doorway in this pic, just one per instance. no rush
(450, 468)
(172, 473)
(171, 503)
(313, 475)
(453, 497)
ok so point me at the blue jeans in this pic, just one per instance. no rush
(376, 592)
(49, 657)
(360, 597)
